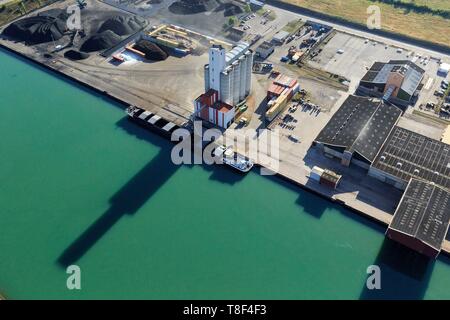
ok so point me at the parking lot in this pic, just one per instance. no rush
(351, 56)
(255, 24)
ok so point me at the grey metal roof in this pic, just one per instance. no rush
(379, 73)
(360, 125)
(412, 80)
(281, 35)
(423, 213)
(236, 52)
(407, 154)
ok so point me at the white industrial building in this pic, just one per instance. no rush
(230, 73)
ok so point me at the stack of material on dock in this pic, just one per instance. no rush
(422, 218)
(325, 177)
(101, 41)
(76, 55)
(45, 27)
(151, 50)
(121, 25)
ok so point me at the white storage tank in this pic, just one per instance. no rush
(243, 77)
(236, 82)
(249, 65)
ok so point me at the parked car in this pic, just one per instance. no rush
(439, 93)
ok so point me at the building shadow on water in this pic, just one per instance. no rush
(137, 191)
(130, 198)
(405, 273)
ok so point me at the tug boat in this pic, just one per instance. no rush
(233, 159)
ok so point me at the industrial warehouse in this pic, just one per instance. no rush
(364, 132)
(407, 155)
(395, 81)
(357, 130)
(422, 218)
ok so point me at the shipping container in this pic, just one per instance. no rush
(316, 173)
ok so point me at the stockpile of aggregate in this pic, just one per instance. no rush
(76, 55)
(122, 25)
(192, 6)
(151, 50)
(111, 32)
(101, 41)
(230, 9)
(45, 27)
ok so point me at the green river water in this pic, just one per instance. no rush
(80, 184)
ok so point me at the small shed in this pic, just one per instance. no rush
(280, 37)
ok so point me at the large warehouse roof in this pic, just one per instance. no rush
(423, 213)
(379, 73)
(360, 125)
(408, 154)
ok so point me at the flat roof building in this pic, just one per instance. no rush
(210, 108)
(280, 37)
(265, 49)
(396, 81)
(236, 34)
(421, 220)
(358, 130)
(407, 154)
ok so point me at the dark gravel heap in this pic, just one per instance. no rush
(192, 6)
(230, 9)
(101, 41)
(151, 50)
(121, 25)
(45, 27)
(75, 55)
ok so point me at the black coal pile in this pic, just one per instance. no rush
(192, 6)
(230, 9)
(76, 55)
(101, 41)
(45, 27)
(151, 50)
(121, 25)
